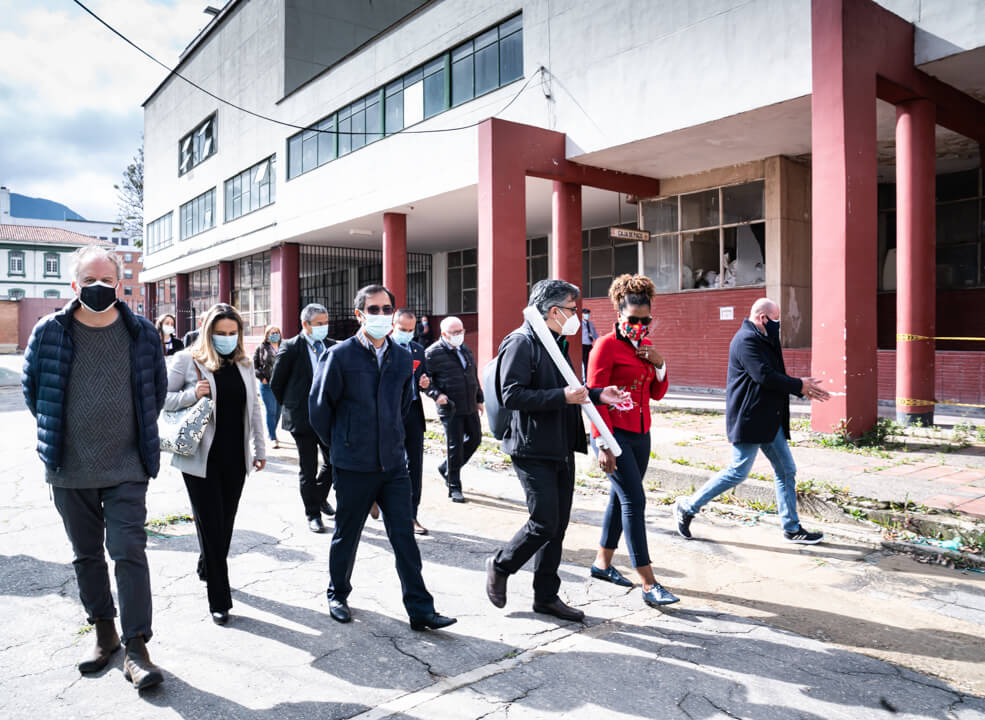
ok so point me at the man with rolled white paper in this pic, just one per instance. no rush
(545, 431)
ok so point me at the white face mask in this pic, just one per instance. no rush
(167, 330)
(456, 340)
(571, 324)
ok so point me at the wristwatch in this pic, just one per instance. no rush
(601, 444)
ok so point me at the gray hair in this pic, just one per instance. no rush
(449, 321)
(546, 294)
(88, 253)
(312, 309)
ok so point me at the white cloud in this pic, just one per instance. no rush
(70, 92)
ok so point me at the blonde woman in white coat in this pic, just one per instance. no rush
(231, 444)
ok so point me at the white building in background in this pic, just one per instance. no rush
(98, 229)
(34, 261)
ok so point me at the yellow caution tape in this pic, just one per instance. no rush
(905, 337)
(910, 402)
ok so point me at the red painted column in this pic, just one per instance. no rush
(502, 235)
(844, 222)
(566, 249)
(395, 255)
(915, 260)
(285, 292)
(226, 281)
(182, 304)
(150, 301)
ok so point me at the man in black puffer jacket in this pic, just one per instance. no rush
(95, 379)
(459, 398)
(546, 430)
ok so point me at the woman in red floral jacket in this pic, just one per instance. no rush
(625, 357)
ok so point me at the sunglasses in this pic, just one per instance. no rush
(632, 320)
(377, 310)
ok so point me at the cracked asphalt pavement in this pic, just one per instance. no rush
(764, 629)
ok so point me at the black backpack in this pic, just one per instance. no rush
(497, 415)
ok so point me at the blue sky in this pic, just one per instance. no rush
(70, 92)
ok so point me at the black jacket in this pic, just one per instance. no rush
(263, 361)
(176, 346)
(48, 365)
(461, 385)
(290, 382)
(358, 407)
(190, 337)
(757, 401)
(417, 355)
(543, 425)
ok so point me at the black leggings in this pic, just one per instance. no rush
(626, 511)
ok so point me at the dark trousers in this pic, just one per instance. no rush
(463, 434)
(215, 499)
(356, 492)
(585, 350)
(626, 511)
(549, 486)
(414, 446)
(118, 514)
(315, 482)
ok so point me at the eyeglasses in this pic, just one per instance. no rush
(565, 307)
(377, 310)
(632, 320)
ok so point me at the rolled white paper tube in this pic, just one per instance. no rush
(533, 316)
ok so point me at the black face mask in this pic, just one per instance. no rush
(773, 328)
(98, 297)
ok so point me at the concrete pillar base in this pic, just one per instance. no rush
(915, 419)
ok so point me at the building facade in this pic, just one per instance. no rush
(463, 150)
(35, 262)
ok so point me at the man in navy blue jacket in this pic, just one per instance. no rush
(404, 324)
(361, 392)
(757, 417)
(95, 380)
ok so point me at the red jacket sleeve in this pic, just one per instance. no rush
(599, 375)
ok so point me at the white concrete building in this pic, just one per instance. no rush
(690, 120)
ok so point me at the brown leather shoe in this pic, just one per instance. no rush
(107, 643)
(137, 667)
(558, 609)
(374, 512)
(495, 583)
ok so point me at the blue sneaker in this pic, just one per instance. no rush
(658, 596)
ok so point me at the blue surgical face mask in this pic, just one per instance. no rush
(402, 336)
(274, 337)
(319, 332)
(225, 344)
(378, 326)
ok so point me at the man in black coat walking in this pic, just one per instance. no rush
(291, 384)
(414, 423)
(545, 431)
(459, 398)
(757, 417)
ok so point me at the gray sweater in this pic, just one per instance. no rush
(100, 419)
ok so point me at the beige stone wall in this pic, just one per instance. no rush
(8, 326)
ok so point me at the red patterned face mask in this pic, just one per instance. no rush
(634, 332)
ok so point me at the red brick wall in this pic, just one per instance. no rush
(688, 332)
(8, 322)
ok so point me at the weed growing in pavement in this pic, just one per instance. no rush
(84, 629)
(730, 498)
(167, 520)
(696, 464)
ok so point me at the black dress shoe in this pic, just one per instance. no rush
(443, 471)
(434, 621)
(495, 583)
(611, 575)
(339, 611)
(559, 610)
(315, 525)
(326, 507)
(220, 618)
(456, 495)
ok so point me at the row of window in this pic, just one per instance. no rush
(250, 190)
(15, 264)
(708, 239)
(477, 66)
(198, 145)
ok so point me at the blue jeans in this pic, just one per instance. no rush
(743, 456)
(272, 408)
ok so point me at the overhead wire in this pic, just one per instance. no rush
(261, 116)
